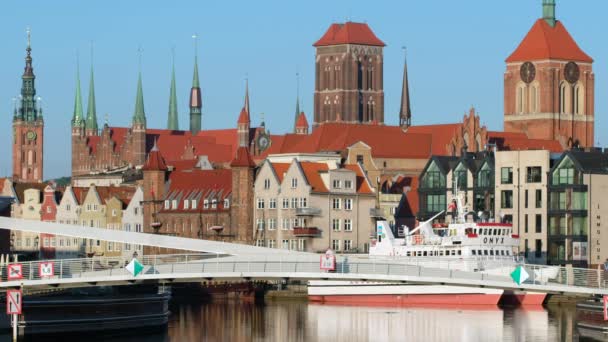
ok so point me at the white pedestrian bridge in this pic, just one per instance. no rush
(218, 261)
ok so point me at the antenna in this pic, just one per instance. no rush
(29, 36)
(140, 51)
(195, 37)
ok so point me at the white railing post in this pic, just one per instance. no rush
(61, 269)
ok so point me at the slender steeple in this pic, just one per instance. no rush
(195, 95)
(297, 115)
(77, 119)
(405, 111)
(28, 111)
(549, 12)
(139, 116)
(91, 122)
(247, 96)
(172, 120)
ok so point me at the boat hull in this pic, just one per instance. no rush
(521, 298)
(402, 295)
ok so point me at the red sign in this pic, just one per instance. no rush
(13, 302)
(605, 308)
(15, 272)
(328, 261)
(46, 269)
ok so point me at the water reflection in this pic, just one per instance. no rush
(299, 321)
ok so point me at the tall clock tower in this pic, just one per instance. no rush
(550, 85)
(28, 129)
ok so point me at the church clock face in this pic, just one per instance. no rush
(30, 135)
(527, 72)
(263, 142)
(572, 72)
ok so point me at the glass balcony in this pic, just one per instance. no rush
(308, 212)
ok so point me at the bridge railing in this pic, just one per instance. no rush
(208, 265)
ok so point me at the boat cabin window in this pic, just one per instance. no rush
(408, 254)
(479, 252)
(459, 252)
(492, 252)
(440, 253)
(424, 253)
(474, 252)
(485, 252)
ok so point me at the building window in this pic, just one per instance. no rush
(285, 203)
(579, 100)
(460, 177)
(285, 224)
(526, 249)
(336, 204)
(285, 244)
(138, 228)
(68, 207)
(227, 203)
(266, 183)
(174, 204)
(348, 245)
(348, 184)
(272, 224)
(186, 204)
(294, 183)
(539, 198)
(348, 225)
(348, 204)
(359, 159)
(260, 224)
(294, 203)
(301, 244)
(533, 174)
(564, 98)
(303, 202)
(167, 204)
(506, 199)
(214, 203)
(506, 175)
(538, 253)
(335, 225)
(526, 199)
(272, 203)
(534, 98)
(337, 184)
(526, 223)
(335, 245)
(110, 246)
(194, 203)
(485, 177)
(433, 178)
(259, 243)
(272, 244)
(539, 223)
(435, 203)
(206, 204)
(260, 203)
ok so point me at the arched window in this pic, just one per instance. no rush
(465, 137)
(534, 98)
(520, 98)
(478, 143)
(564, 98)
(579, 99)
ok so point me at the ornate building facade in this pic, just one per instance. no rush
(28, 128)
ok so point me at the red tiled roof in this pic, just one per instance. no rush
(181, 165)
(349, 33)
(546, 42)
(333, 137)
(155, 161)
(362, 184)
(312, 171)
(242, 158)
(80, 193)
(441, 135)
(122, 193)
(511, 141)
(243, 117)
(199, 185)
(302, 122)
(280, 169)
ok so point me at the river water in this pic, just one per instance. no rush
(299, 321)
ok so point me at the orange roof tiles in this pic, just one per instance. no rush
(302, 122)
(280, 169)
(243, 117)
(312, 171)
(546, 42)
(441, 135)
(512, 141)
(349, 33)
(199, 185)
(155, 161)
(363, 186)
(242, 158)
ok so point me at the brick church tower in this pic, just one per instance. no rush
(549, 85)
(349, 75)
(28, 129)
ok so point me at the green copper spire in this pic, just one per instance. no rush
(549, 12)
(172, 120)
(139, 116)
(91, 122)
(28, 111)
(195, 82)
(295, 121)
(77, 118)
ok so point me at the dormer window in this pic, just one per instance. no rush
(167, 204)
(206, 204)
(186, 204)
(174, 204)
(348, 184)
(194, 203)
(226, 203)
(68, 207)
(337, 184)
(214, 204)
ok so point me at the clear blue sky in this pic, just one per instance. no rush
(456, 52)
